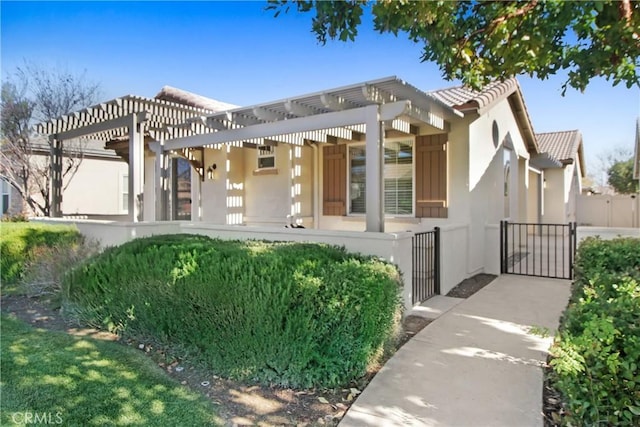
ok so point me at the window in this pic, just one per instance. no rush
(507, 181)
(266, 157)
(357, 180)
(6, 196)
(398, 178)
(124, 193)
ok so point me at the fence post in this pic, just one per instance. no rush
(437, 260)
(572, 246)
(414, 270)
(503, 234)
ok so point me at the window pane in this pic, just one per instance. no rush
(357, 189)
(398, 178)
(125, 193)
(266, 162)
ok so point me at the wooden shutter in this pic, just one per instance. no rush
(334, 180)
(431, 176)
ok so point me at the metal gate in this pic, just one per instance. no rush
(426, 265)
(542, 250)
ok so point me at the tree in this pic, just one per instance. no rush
(39, 94)
(621, 177)
(479, 41)
(604, 161)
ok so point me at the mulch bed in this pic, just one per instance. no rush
(470, 286)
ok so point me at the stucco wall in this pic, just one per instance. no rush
(394, 247)
(267, 199)
(149, 199)
(554, 197)
(572, 190)
(533, 208)
(213, 195)
(96, 188)
(486, 178)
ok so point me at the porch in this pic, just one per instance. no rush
(394, 247)
(373, 157)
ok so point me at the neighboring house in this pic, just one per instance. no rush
(380, 156)
(11, 202)
(564, 168)
(99, 168)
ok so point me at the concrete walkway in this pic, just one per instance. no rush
(478, 364)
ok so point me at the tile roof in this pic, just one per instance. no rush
(172, 94)
(562, 146)
(465, 98)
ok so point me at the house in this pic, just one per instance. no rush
(97, 168)
(380, 157)
(562, 159)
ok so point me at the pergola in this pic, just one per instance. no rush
(355, 112)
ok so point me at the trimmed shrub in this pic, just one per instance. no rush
(597, 352)
(278, 313)
(19, 241)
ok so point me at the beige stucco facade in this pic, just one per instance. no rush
(239, 193)
(562, 186)
(99, 187)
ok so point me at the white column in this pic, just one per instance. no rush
(160, 181)
(55, 179)
(541, 185)
(374, 170)
(136, 167)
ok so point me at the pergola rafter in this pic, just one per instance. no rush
(347, 113)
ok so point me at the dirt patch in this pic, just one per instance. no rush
(470, 286)
(552, 405)
(412, 325)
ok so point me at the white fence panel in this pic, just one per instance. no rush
(618, 210)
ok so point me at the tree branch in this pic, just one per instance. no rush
(491, 27)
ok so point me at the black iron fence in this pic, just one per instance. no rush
(426, 265)
(543, 250)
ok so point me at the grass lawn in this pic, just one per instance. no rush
(78, 381)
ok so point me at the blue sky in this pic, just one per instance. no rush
(238, 53)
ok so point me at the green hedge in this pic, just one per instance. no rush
(19, 242)
(597, 352)
(278, 313)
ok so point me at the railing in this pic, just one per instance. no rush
(426, 265)
(542, 250)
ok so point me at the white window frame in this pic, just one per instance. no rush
(6, 191)
(265, 152)
(124, 190)
(412, 140)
